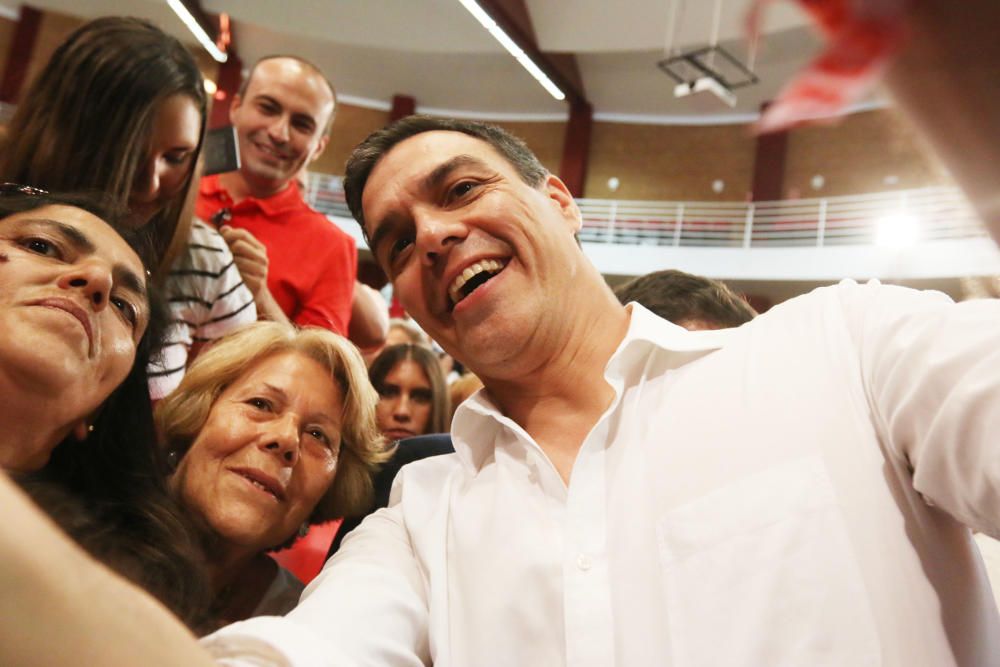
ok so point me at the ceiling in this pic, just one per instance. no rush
(436, 52)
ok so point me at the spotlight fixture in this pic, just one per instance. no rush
(512, 48)
(709, 69)
(185, 15)
(706, 83)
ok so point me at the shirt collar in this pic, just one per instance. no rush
(210, 186)
(289, 199)
(478, 419)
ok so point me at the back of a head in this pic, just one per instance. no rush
(691, 301)
(84, 123)
(406, 331)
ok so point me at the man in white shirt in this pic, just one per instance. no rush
(624, 492)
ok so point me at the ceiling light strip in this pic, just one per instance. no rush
(512, 48)
(197, 30)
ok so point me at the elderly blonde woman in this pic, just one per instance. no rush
(271, 429)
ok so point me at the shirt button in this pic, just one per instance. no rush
(583, 562)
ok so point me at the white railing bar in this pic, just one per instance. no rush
(748, 229)
(821, 225)
(612, 214)
(680, 224)
(939, 211)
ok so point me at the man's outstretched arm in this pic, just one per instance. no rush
(367, 607)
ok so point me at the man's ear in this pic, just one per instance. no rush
(324, 140)
(234, 106)
(559, 195)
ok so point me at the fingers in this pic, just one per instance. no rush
(254, 275)
(250, 255)
(241, 237)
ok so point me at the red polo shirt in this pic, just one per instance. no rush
(312, 264)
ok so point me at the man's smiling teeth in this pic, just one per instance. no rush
(490, 267)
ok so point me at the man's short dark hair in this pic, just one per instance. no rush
(685, 299)
(370, 151)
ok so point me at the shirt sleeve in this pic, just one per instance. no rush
(207, 300)
(166, 368)
(931, 370)
(328, 304)
(232, 304)
(367, 607)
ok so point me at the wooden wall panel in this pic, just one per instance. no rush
(545, 139)
(670, 161)
(350, 126)
(858, 154)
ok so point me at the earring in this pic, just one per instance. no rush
(90, 428)
(304, 529)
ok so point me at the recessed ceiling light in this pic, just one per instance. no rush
(197, 30)
(512, 48)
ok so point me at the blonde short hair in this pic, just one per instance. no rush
(182, 414)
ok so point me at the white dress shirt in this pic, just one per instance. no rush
(789, 493)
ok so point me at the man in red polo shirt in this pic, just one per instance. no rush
(296, 262)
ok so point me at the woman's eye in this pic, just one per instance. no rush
(421, 396)
(128, 311)
(41, 247)
(318, 434)
(177, 159)
(259, 403)
(389, 391)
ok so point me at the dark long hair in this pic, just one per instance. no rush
(392, 356)
(108, 491)
(85, 122)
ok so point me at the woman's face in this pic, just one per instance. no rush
(73, 308)
(170, 157)
(267, 453)
(405, 400)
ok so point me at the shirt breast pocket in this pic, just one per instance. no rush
(761, 573)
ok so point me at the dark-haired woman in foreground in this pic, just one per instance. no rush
(73, 318)
(76, 325)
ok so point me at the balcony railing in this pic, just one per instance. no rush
(899, 217)
(325, 193)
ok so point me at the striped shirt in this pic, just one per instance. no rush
(207, 300)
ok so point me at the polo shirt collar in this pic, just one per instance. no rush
(289, 199)
(210, 186)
